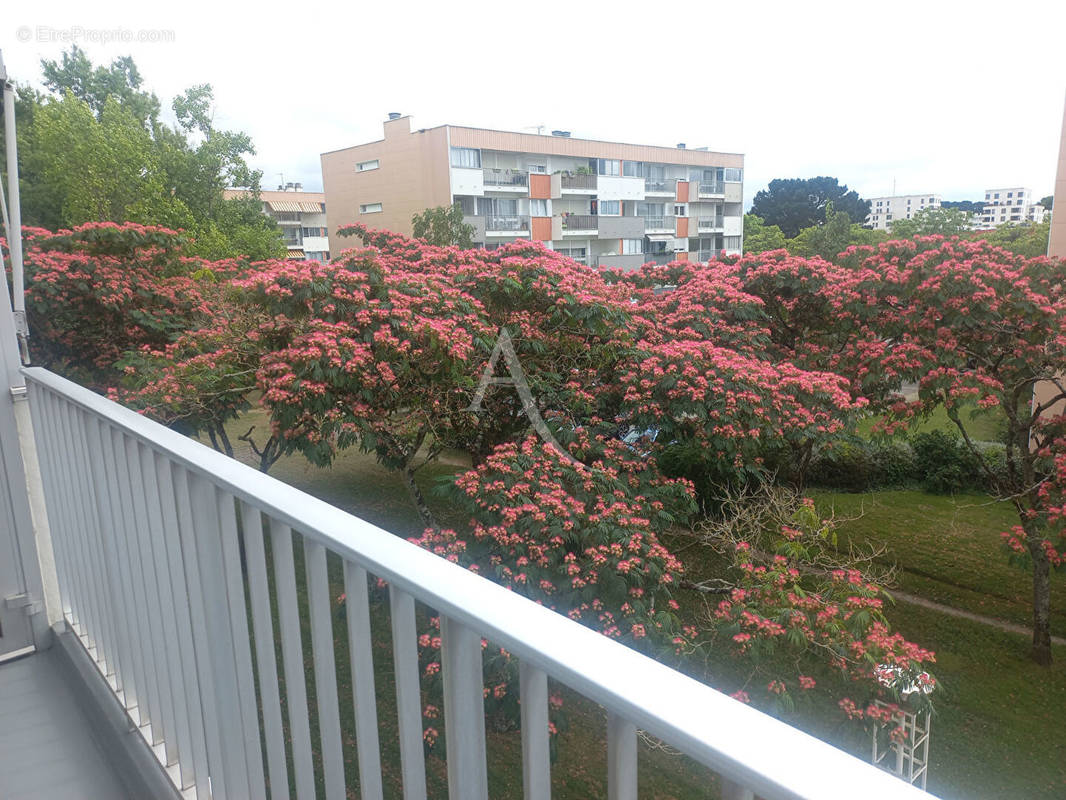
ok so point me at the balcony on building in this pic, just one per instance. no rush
(507, 225)
(576, 224)
(506, 180)
(713, 223)
(710, 189)
(660, 186)
(577, 183)
(660, 224)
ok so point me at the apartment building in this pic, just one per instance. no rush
(1010, 205)
(301, 216)
(883, 210)
(602, 203)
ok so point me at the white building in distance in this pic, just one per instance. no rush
(883, 210)
(1010, 205)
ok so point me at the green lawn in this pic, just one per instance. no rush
(948, 549)
(998, 731)
(985, 425)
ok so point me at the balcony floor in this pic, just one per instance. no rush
(47, 749)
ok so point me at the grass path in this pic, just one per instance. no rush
(998, 624)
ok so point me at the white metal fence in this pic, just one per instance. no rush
(167, 552)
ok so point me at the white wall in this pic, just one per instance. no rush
(609, 187)
(733, 226)
(468, 181)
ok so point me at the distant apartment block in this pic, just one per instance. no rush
(302, 218)
(1010, 205)
(883, 210)
(602, 203)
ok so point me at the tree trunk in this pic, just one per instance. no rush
(1041, 653)
(417, 497)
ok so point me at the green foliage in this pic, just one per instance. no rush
(929, 221)
(1026, 239)
(797, 203)
(443, 226)
(94, 150)
(1048, 202)
(969, 206)
(760, 237)
(833, 236)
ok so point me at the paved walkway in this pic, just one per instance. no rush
(992, 622)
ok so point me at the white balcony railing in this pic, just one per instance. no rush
(660, 185)
(507, 222)
(506, 177)
(711, 223)
(659, 223)
(161, 546)
(711, 188)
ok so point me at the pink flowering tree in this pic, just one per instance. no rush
(580, 537)
(799, 618)
(101, 290)
(975, 324)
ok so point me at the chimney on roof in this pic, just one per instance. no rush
(395, 115)
(298, 187)
(563, 134)
(680, 145)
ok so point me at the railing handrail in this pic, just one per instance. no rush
(711, 187)
(739, 742)
(659, 221)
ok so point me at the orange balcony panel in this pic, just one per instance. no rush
(682, 191)
(540, 228)
(681, 256)
(540, 187)
(682, 227)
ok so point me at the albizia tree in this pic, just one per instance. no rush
(101, 290)
(972, 323)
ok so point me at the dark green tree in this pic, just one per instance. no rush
(797, 203)
(443, 226)
(969, 206)
(1048, 202)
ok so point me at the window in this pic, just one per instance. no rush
(731, 242)
(888, 217)
(468, 157)
(734, 174)
(997, 195)
(497, 207)
(370, 208)
(314, 231)
(537, 169)
(363, 166)
(931, 200)
(538, 208)
(607, 166)
(631, 247)
(1009, 194)
(633, 169)
(680, 211)
(1019, 201)
(610, 208)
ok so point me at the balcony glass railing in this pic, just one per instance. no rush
(579, 182)
(711, 187)
(709, 223)
(580, 222)
(506, 177)
(506, 223)
(658, 224)
(708, 255)
(660, 184)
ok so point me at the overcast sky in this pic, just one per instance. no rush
(944, 97)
